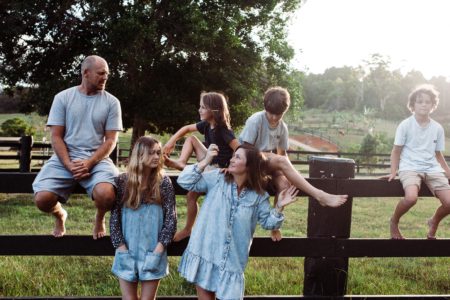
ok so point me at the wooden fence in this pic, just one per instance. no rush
(27, 151)
(326, 248)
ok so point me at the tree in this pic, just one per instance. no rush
(162, 54)
(16, 127)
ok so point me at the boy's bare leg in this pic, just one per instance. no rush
(282, 163)
(191, 145)
(403, 206)
(441, 212)
(48, 202)
(280, 183)
(191, 215)
(104, 196)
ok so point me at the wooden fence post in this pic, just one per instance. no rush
(26, 143)
(327, 276)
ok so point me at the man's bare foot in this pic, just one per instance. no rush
(174, 164)
(182, 234)
(275, 235)
(432, 228)
(395, 231)
(60, 223)
(99, 227)
(331, 200)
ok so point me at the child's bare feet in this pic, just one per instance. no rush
(432, 228)
(174, 164)
(182, 234)
(60, 223)
(331, 200)
(99, 230)
(275, 235)
(395, 231)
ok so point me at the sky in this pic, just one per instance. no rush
(414, 34)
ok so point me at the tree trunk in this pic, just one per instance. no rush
(139, 127)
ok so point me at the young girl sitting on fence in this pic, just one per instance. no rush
(215, 126)
(217, 253)
(143, 221)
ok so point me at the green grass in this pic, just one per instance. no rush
(86, 276)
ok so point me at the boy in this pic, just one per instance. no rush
(267, 131)
(417, 155)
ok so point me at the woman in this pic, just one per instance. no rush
(235, 202)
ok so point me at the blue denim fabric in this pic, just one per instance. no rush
(140, 229)
(217, 253)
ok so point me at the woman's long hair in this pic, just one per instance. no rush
(136, 188)
(218, 106)
(256, 169)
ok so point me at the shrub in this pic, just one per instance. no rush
(17, 127)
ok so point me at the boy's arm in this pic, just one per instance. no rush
(234, 143)
(395, 161)
(170, 145)
(281, 152)
(441, 159)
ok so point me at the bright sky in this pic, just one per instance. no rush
(413, 33)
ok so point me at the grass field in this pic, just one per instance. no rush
(85, 276)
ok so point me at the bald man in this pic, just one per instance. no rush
(85, 121)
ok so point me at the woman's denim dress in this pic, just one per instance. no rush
(217, 253)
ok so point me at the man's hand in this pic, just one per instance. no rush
(80, 169)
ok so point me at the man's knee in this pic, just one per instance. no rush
(45, 200)
(104, 195)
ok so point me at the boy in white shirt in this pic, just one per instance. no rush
(417, 156)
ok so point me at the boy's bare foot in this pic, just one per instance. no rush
(60, 223)
(182, 234)
(99, 227)
(331, 200)
(395, 231)
(432, 228)
(174, 164)
(275, 235)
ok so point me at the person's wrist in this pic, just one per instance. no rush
(278, 207)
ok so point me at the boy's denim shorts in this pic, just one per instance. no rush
(434, 181)
(55, 178)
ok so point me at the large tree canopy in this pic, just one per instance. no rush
(161, 53)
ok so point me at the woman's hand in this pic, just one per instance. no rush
(286, 197)
(213, 151)
(122, 247)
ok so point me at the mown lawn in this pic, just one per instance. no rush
(85, 276)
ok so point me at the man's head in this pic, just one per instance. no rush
(276, 103)
(419, 91)
(94, 71)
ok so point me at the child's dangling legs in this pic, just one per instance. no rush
(191, 215)
(403, 206)
(441, 212)
(191, 145)
(280, 183)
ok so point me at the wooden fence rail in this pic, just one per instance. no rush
(328, 241)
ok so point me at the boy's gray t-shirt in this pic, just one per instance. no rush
(257, 131)
(85, 118)
(419, 145)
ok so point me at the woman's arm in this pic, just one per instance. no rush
(169, 211)
(170, 145)
(272, 218)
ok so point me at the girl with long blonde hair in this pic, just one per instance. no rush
(143, 221)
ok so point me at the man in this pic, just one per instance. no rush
(85, 121)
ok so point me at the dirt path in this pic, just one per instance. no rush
(313, 143)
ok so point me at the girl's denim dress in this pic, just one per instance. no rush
(217, 253)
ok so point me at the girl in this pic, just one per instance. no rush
(143, 221)
(235, 202)
(215, 126)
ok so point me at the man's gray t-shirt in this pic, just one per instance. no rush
(85, 118)
(419, 145)
(257, 131)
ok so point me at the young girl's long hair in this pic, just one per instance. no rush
(256, 169)
(136, 188)
(218, 106)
